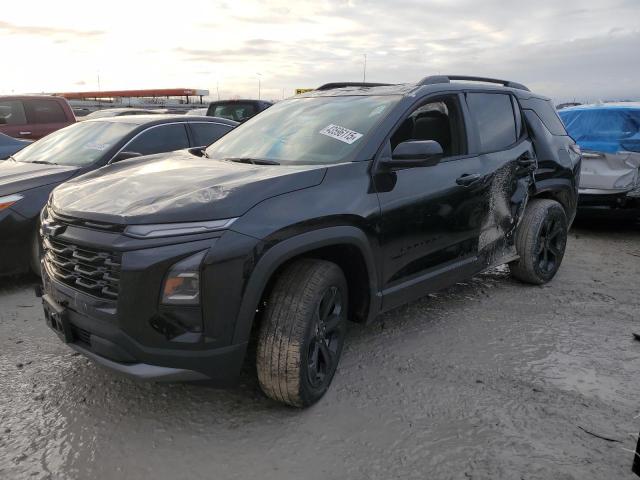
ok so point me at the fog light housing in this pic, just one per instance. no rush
(182, 283)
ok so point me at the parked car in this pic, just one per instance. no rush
(10, 145)
(156, 267)
(237, 110)
(609, 136)
(29, 176)
(117, 112)
(33, 116)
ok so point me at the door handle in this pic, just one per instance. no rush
(24, 133)
(526, 160)
(468, 179)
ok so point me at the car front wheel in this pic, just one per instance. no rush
(302, 332)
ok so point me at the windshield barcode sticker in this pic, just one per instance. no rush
(340, 133)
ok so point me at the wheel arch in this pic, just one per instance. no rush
(346, 246)
(561, 192)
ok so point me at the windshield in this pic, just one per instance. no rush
(78, 144)
(315, 130)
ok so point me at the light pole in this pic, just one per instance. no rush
(364, 70)
(259, 75)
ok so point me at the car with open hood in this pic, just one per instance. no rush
(334, 205)
(609, 136)
(28, 176)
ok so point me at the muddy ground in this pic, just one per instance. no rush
(490, 379)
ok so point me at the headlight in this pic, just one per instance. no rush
(6, 202)
(172, 229)
(182, 284)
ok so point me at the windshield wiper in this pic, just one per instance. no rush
(254, 161)
(44, 162)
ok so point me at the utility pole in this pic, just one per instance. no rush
(218, 89)
(364, 70)
(259, 75)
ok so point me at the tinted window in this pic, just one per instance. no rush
(78, 144)
(493, 116)
(233, 111)
(206, 133)
(547, 113)
(164, 138)
(44, 111)
(313, 130)
(12, 113)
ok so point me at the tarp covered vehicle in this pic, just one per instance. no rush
(609, 136)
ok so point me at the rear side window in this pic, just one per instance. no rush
(493, 116)
(205, 134)
(44, 111)
(164, 138)
(547, 113)
(12, 113)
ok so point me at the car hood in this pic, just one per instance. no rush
(20, 176)
(177, 187)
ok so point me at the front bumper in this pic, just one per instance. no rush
(127, 334)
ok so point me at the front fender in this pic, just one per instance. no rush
(276, 255)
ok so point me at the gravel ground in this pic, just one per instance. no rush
(490, 379)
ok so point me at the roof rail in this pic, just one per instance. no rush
(331, 86)
(435, 79)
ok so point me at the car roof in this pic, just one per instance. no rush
(604, 106)
(27, 97)
(407, 89)
(126, 109)
(438, 83)
(157, 119)
(239, 101)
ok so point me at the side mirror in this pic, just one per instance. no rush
(415, 153)
(125, 155)
(197, 151)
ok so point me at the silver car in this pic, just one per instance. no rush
(609, 136)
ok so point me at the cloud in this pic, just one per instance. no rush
(46, 31)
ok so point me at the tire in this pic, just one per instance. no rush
(541, 240)
(36, 253)
(302, 332)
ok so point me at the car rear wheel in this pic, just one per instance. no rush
(302, 333)
(541, 240)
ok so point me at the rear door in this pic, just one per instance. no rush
(43, 117)
(13, 119)
(507, 154)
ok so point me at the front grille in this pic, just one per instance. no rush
(94, 272)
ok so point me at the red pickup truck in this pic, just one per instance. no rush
(32, 116)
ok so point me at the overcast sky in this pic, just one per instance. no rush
(566, 49)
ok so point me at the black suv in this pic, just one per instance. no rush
(335, 205)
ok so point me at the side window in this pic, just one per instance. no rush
(44, 111)
(439, 120)
(206, 133)
(548, 114)
(12, 113)
(164, 138)
(494, 120)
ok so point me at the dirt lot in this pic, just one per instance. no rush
(489, 379)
